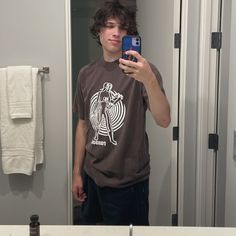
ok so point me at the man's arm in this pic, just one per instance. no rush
(80, 141)
(141, 71)
(159, 106)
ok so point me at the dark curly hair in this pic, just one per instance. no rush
(114, 9)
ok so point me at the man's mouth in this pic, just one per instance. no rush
(114, 41)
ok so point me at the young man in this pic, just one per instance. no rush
(111, 150)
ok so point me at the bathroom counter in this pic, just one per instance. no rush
(66, 230)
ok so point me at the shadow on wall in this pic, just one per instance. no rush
(22, 185)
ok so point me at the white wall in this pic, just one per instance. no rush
(33, 33)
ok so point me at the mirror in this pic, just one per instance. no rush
(85, 50)
(158, 21)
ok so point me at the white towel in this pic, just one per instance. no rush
(19, 91)
(38, 113)
(21, 145)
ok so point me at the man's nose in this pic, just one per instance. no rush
(116, 31)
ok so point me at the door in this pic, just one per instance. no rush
(209, 94)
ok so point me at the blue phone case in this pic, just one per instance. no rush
(131, 42)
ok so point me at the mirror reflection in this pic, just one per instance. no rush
(203, 194)
(111, 98)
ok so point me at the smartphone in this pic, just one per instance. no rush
(131, 42)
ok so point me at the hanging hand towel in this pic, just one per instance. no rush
(38, 114)
(21, 145)
(19, 91)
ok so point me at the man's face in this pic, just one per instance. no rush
(111, 37)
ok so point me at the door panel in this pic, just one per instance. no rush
(156, 27)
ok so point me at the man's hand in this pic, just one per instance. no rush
(77, 188)
(142, 72)
(139, 70)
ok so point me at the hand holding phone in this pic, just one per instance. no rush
(131, 42)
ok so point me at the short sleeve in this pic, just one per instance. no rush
(160, 81)
(78, 103)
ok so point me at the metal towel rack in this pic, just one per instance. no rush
(44, 70)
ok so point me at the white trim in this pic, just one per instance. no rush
(205, 176)
(183, 69)
(202, 110)
(69, 109)
(174, 109)
(206, 115)
(212, 116)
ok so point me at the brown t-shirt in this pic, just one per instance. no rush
(113, 106)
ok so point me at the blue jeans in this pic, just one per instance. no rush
(115, 206)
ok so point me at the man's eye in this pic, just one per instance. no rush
(125, 27)
(110, 25)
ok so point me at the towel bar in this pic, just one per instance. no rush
(45, 70)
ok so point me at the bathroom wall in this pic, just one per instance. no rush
(33, 33)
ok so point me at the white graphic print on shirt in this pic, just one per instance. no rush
(107, 113)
